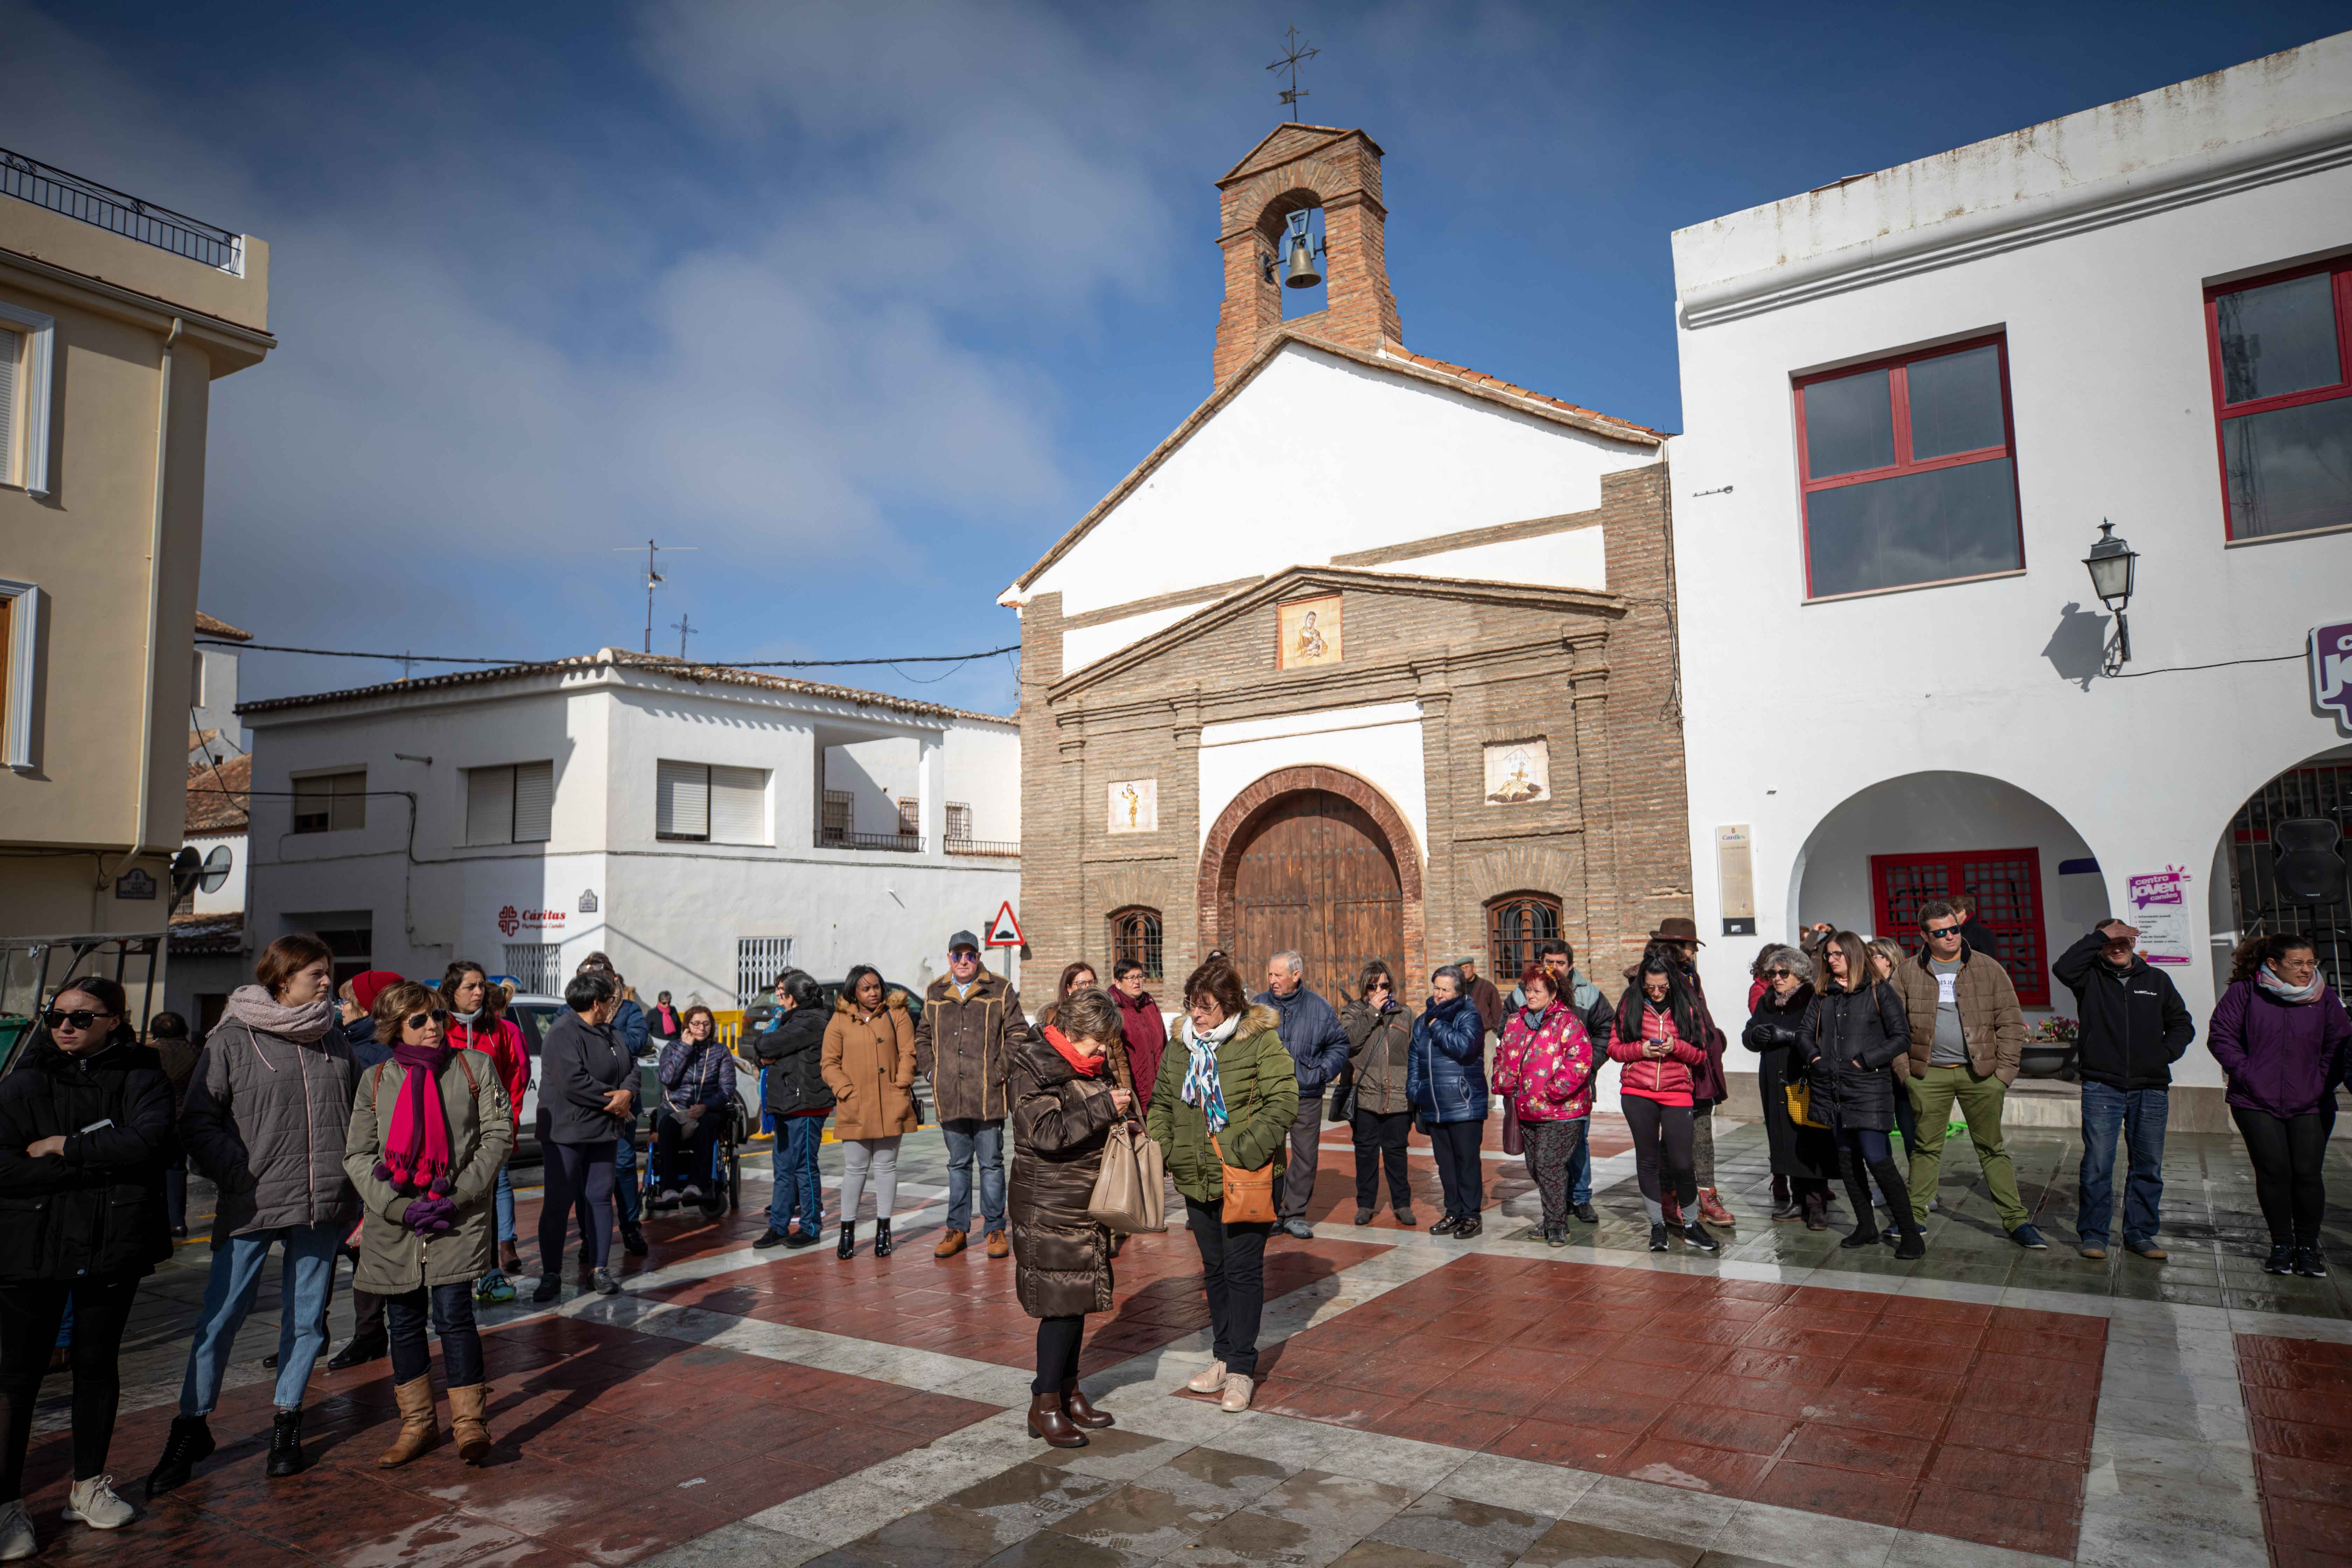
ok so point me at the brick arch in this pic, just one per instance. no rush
(1218, 861)
(1278, 207)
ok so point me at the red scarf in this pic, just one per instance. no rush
(416, 1155)
(1085, 1066)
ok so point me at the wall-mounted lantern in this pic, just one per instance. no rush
(2111, 563)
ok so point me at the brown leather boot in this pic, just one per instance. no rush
(1081, 1411)
(419, 1430)
(466, 1423)
(1046, 1421)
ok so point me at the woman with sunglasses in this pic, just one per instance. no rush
(264, 1121)
(85, 1134)
(476, 1025)
(1853, 1027)
(1803, 1158)
(1380, 1044)
(429, 1130)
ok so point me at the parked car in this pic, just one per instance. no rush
(757, 1017)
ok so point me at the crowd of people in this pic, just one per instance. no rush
(377, 1122)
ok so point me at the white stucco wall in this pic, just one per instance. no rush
(1574, 559)
(1319, 456)
(1378, 743)
(1792, 709)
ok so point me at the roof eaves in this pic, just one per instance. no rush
(213, 626)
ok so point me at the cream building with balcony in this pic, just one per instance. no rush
(115, 317)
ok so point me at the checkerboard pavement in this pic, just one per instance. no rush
(1423, 1402)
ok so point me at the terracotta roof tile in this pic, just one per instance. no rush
(221, 802)
(212, 626)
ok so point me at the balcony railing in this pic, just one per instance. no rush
(897, 843)
(1006, 848)
(29, 180)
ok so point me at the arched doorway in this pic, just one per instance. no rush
(1317, 861)
(2248, 894)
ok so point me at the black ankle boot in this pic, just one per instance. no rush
(881, 1238)
(368, 1347)
(190, 1443)
(848, 1239)
(286, 1445)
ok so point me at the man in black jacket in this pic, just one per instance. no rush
(2134, 1026)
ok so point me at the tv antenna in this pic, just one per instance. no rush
(653, 579)
(1292, 56)
(684, 628)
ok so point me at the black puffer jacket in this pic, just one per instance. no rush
(793, 1053)
(1845, 1041)
(1061, 1258)
(97, 1209)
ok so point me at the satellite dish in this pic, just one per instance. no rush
(215, 871)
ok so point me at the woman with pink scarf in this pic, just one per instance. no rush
(429, 1130)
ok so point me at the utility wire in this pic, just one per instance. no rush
(699, 663)
(2223, 664)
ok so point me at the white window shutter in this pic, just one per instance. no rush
(489, 805)
(11, 344)
(535, 803)
(739, 806)
(681, 799)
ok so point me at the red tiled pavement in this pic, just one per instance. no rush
(2299, 1420)
(965, 1305)
(1891, 1410)
(611, 1445)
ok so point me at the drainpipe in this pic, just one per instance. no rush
(145, 786)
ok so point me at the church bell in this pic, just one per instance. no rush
(1304, 274)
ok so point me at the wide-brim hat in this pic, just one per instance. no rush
(1674, 928)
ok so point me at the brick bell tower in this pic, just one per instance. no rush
(1302, 166)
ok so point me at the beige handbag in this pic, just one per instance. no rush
(1129, 1195)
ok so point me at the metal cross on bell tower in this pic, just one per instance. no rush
(1292, 56)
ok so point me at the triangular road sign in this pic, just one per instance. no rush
(1003, 931)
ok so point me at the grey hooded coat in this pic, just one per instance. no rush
(265, 1121)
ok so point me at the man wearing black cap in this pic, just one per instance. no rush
(971, 1020)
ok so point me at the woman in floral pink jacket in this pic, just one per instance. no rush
(1546, 1064)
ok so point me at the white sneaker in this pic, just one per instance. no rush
(1210, 1379)
(17, 1540)
(1237, 1394)
(94, 1503)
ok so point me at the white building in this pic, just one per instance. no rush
(1912, 399)
(702, 827)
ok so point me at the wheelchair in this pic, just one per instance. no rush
(721, 1185)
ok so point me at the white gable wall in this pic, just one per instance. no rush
(1319, 457)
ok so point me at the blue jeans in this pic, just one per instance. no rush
(305, 1272)
(967, 1136)
(1579, 1172)
(503, 1202)
(797, 1190)
(2139, 1114)
(627, 1193)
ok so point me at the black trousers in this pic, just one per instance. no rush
(1058, 1353)
(29, 1316)
(1459, 1171)
(1233, 1264)
(2286, 1153)
(1662, 1155)
(452, 1307)
(577, 1174)
(1380, 1140)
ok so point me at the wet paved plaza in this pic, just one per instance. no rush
(1423, 1402)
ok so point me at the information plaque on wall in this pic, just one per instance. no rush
(1735, 879)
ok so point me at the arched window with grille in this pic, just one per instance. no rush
(1516, 923)
(1135, 933)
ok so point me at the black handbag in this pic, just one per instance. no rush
(1342, 1106)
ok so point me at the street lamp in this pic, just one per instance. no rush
(2111, 562)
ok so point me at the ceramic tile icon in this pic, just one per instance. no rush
(1517, 772)
(1133, 806)
(1307, 632)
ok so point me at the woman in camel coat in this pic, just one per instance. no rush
(869, 1065)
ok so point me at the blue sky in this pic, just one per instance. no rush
(871, 303)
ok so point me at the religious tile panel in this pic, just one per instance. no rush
(1309, 631)
(1517, 772)
(1134, 805)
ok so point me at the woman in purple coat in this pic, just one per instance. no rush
(2280, 1034)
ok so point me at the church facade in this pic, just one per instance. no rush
(1374, 657)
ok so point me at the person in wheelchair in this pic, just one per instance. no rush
(697, 1085)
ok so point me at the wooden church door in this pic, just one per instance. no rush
(1317, 876)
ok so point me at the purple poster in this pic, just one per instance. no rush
(2331, 672)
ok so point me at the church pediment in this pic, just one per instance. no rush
(1298, 622)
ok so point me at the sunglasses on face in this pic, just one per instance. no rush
(1784, 974)
(431, 1016)
(80, 1018)
(1380, 985)
(1936, 932)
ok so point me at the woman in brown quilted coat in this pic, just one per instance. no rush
(869, 1062)
(1067, 1090)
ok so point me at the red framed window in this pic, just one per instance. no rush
(2282, 353)
(2007, 887)
(1910, 470)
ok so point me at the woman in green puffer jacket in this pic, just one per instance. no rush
(1235, 1083)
